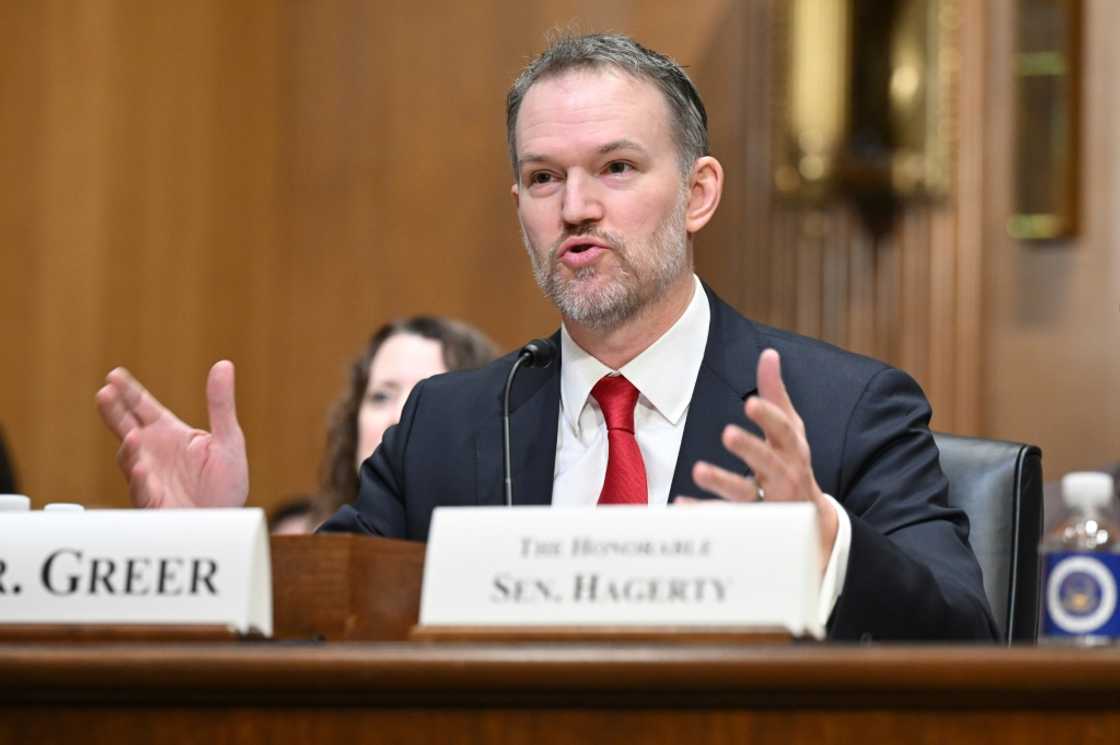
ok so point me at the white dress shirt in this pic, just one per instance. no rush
(659, 419)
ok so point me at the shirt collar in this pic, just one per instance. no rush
(680, 349)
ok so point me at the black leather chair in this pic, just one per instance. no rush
(999, 486)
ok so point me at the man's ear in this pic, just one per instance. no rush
(705, 186)
(516, 194)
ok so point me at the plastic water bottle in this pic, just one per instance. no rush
(1081, 566)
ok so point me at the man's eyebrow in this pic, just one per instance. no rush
(610, 147)
(530, 158)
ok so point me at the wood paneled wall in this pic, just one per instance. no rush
(1010, 340)
(266, 181)
(269, 181)
(913, 299)
(1052, 310)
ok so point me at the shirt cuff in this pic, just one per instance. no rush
(833, 583)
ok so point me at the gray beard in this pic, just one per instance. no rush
(636, 284)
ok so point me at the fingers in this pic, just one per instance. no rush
(773, 410)
(220, 402)
(731, 486)
(128, 454)
(114, 413)
(770, 384)
(133, 396)
(782, 431)
(768, 465)
(136, 491)
(780, 460)
(143, 487)
(782, 475)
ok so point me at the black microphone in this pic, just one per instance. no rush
(537, 353)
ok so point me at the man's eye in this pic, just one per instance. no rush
(540, 177)
(618, 167)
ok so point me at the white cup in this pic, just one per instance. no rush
(63, 507)
(14, 503)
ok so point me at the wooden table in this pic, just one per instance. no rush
(275, 692)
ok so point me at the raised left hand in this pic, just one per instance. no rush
(781, 462)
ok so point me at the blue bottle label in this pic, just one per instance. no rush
(1080, 594)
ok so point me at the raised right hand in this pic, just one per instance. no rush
(168, 463)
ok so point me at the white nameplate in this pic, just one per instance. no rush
(744, 566)
(182, 567)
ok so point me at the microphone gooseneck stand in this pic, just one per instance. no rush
(537, 353)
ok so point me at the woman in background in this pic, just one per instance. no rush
(398, 356)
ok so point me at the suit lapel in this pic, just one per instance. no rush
(534, 415)
(727, 377)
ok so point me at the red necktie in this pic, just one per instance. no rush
(626, 471)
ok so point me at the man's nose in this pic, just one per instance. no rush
(582, 203)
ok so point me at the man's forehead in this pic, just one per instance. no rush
(604, 103)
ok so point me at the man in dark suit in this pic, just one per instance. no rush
(910, 571)
(613, 179)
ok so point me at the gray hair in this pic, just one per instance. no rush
(594, 51)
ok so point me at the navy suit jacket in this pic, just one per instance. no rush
(911, 573)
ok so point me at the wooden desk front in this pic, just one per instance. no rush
(270, 692)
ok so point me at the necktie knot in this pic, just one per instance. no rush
(617, 397)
